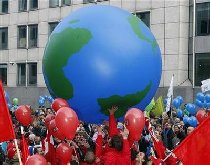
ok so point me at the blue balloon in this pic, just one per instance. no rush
(207, 98)
(165, 101)
(205, 104)
(208, 105)
(200, 96)
(199, 103)
(193, 121)
(176, 103)
(186, 120)
(41, 102)
(179, 113)
(191, 108)
(116, 65)
(180, 99)
(50, 99)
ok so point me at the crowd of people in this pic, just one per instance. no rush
(105, 144)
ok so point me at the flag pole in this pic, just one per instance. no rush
(18, 152)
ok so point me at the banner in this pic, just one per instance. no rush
(158, 109)
(195, 148)
(149, 107)
(6, 127)
(170, 95)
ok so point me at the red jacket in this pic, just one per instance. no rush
(110, 156)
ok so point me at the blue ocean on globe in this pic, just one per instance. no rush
(100, 56)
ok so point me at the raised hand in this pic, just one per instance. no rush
(113, 110)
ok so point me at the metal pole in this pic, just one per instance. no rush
(18, 152)
(193, 41)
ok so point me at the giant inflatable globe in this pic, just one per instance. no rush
(100, 56)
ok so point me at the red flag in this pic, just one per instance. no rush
(195, 148)
(25, 151)
(6, 128)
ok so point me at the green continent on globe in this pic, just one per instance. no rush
(60, 48)
(123, 102)
(134, 22)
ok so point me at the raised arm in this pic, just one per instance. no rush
(112, 122)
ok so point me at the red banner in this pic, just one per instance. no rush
(195, 148)
(6, 127)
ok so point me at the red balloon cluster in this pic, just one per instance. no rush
(64, 152)
(36, 160)
(67, 122)
(64, 124)
(58, 103)
(134, 122)
(23, 115)
(201, 115)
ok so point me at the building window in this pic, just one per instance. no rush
(3, 73)
(27, 36)
(21, 74)
(66, 2)
(3, 38)
(145, 17)
(22, 5)
(32, 73)
(22, 33)
(53, 3)
(28, 71)
(203, 19)
(4, 6)
(33, 34)
(202, 67)
(33, 4)
(52, 26)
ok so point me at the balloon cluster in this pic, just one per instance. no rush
(62, 125)
(192, 114)
(202, 101)
(43, 99)
(187, 112)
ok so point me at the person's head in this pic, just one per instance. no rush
(168, 126)
(176, 128)
(177, 120)
(189, 130)
(90, 157)
(158, 127)
(116, 142)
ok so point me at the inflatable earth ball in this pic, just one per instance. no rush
(100, 56)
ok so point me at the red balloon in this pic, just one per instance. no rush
(134, 122)
(201, 115)
(58, 103)
(36, 160)
(64, 152)
(48, 118)
(23, 115)
(55, 131)
(67, 122)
